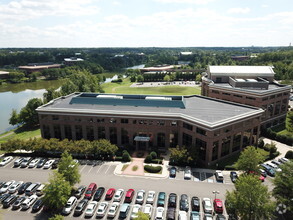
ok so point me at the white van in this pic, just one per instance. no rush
(31, 189)
(39, 191)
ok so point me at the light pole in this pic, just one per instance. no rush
(216, 192)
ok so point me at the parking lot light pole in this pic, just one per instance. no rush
(216, 192)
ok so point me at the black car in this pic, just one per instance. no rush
(17, 203)
(173, 172)
(2, 184)
(99, 193)
(195, 204)
(38, 205)
(23, 187)
(161, 199)
(80, 191)
(9, 201)
(55, 164)
(233, 176)
(3, 197)
(41, 163)
(171, 214)
(220, 217)
(80, 207)
(184, 205)
(172, 202)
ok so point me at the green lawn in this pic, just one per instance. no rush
(124, 88)
(20, 133)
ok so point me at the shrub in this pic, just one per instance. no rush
(152, 169)
(261, 144)
(116, 81)
(148, 159)
(134, 168)
(230, 167)
(154, 155)
(126, 157)
(289, 154)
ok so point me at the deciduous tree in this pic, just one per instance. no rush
(69, 169)
(13, 120)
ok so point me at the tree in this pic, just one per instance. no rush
(180, 155)
(167, 78)
(249, 159)
(139, 78)
(57, 217)
(69, 169)
(16, 77)
(28, 114)
(198, 78)
(51, 94)
(142, 216)
(56, 192)
(289, 154)
(13, 120)
(283, 186)
(250, 199)
(289, 123)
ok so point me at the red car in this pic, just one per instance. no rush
(218, 206)
(129, 196)
(110, 193)
(261, 177)
(90, 191)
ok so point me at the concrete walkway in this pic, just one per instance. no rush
(282, 148)
(135, 162)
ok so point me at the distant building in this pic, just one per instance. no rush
(185, 53)
(4, 75)
(240, 58)
(249, 85)
(72, 60)
(35, 67)
(160, 68)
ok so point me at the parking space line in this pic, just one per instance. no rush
(99, 168)
(90, 169)
(82, 168)
(107, 169)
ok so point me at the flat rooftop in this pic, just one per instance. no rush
(205, 111)
(31, 67)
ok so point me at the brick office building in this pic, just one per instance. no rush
(216, 128)
(249, 85)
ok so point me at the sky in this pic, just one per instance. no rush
(145, 23)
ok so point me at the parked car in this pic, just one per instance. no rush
(150, 197)
(80, 191)
(274, 166)
(172, 202)
(184, 205)
(48, 164)
(233, 176)
(25, 162)
(269, 170)
(17, 203)
(136, 208)
(38, 205)
(113, 210)
(182, 215)
(195, 204)
(140, 196)
(32, 189)
(110, 193)
(6, 186)
(276, 162)
(118, 195)
(187, 173)
(55, 164)
(40, 190)
(34, 163)
(41, 162)
(218, 206)
(208, 216)
(23, 187)
(18, 161)
(9, 201)
(14, 187)
(90, 191)
(220, 217)
(70, 204)
(124, 209)
(283, 160)
(194, 215)
(90, 209)
(80, 207)
(102, 208)
(159, 213)
(219, 176)
(207, 205)
(148, 208)
(6, 160)
(129, 196)
(161, 199)
(173, 172)
(4, 196)
(263, 173)
(171, 214)
(99, 193)
(28, 202)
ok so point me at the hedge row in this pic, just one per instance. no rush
(269, 133)
(152, 169)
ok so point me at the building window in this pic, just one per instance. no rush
(251, 98)
(285, 101)
(151, 122)
(201, 131)
(57, 131)
(134, 122)
(112, 121)
(90, 120)
(161, 139)
(78, 132)
(101, 133)
(55, 117)
(238, 96)
(46, 131)
(272, 96)
(228, 129)
(173, 139)
(77, 119)
(215, 91)
(225, 146)
(100, 120)
(187, 126)
(66, 118)
(217, 133)
(124, 136)
(246, 138)
(186, 140)
(218, 79)
(285, 93)
(174, 123)
(215, 150)
(236, 142)
(113, 135)
(90, 133)
(279, 95)
(265, 99)
(124, 121)
(225, 93)
(68, 132)
(161, 122)
(202, 146)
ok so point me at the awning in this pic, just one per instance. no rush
(141, 138)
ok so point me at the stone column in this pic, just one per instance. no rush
(62, 132)
(73, 132)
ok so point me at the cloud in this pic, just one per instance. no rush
(265, 6)
(198, 2)
(116, 3)
(239, 10)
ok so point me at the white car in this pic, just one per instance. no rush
(6, 186)
(102, 208)
(160, 213)
(14, 187)
(187, 173)
(140, 196)
(118, 195)
(71, 202)
(90, 209)
(276, 162)
(283, 160)
(274, 166)
(6, 160)
(219, 176)
(182, 215)
(148, 208)
(151, 197)
(48, 164)
(207, 205)
(33, 163)
(28, 202)
(136, 208)
(113, 209)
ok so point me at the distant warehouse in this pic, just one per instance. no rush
(214, 127)
(36, 67)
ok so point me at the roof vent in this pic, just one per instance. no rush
(158, 98)
(109, 97)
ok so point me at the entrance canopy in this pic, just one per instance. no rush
(141, 138)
